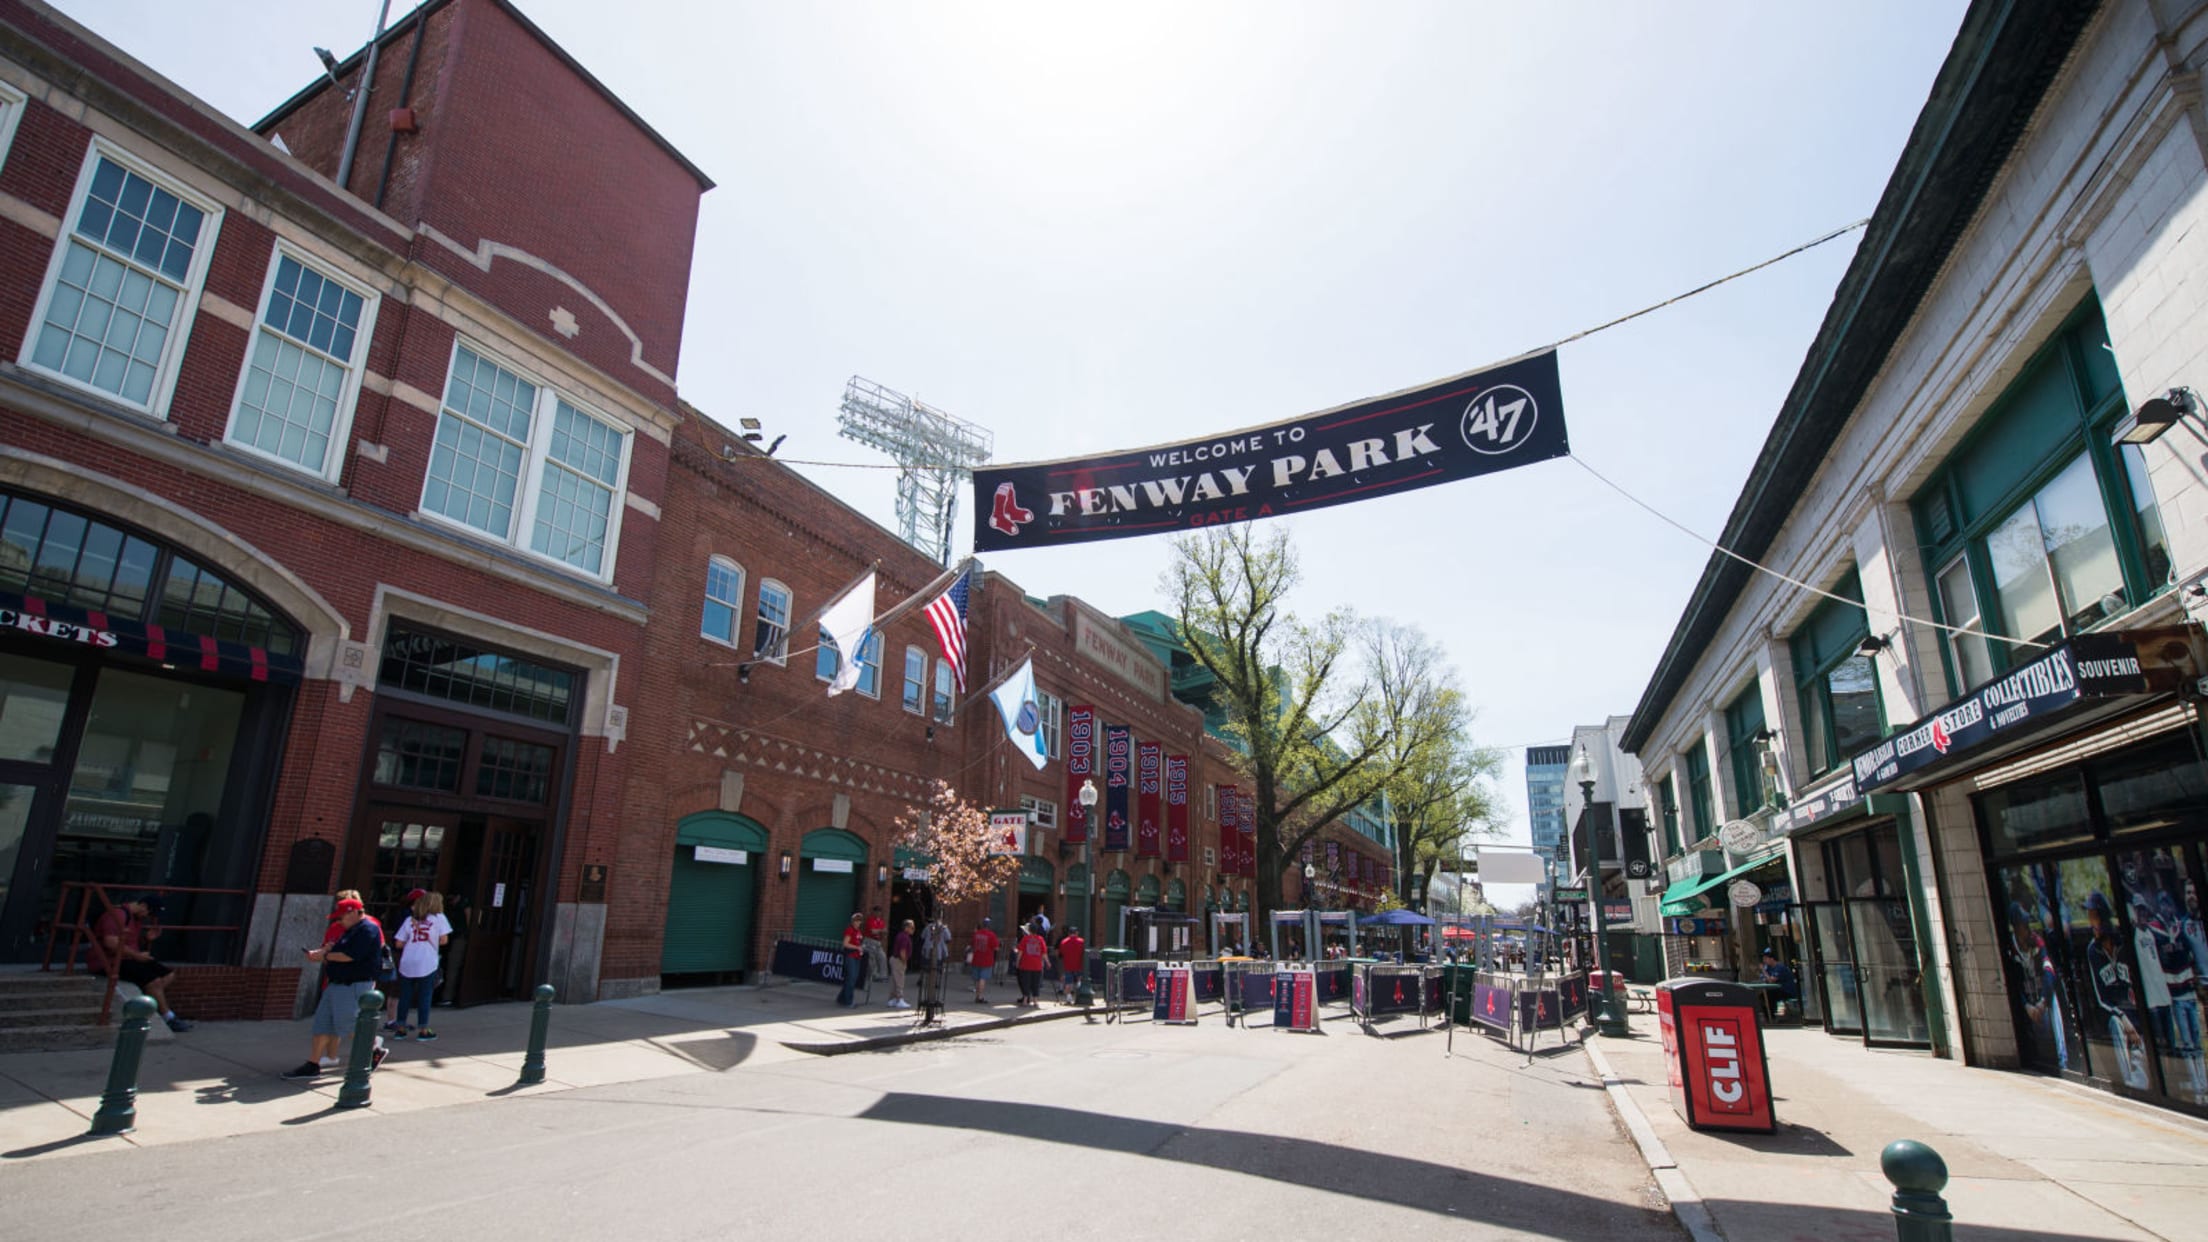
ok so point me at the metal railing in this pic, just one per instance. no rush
(80, 929)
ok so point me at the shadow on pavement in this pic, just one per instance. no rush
(25, 1153)
(1405, 1181)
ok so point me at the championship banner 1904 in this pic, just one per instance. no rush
(1118, 741)
(1176, 808)
(1080, 766)
(1149, 783)
(1477, 423)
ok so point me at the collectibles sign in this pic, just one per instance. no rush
(1176, 808)
(1080, 766)
(1117, 744)
(1472, 424)
(1149, 758)
(2087, 666)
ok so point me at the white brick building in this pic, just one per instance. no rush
(1992, 836)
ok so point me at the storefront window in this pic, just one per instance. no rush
(2151, 787)
(34, 696)
(2042, 977)
(2044, 811)
(15, 820)
(2166, 956)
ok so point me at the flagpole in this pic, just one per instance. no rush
(942, 582)
(994, 682)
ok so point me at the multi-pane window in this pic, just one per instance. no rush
(458, 671)
(11, 112)
(2039, 527)
(1744, 754)
(827, 660)
(770, 638)
(122, 282)
(1668, 796)
(1836, 684)
(1050, 708)
(523, 464)
(1040, 814)
(916, 680)
(301, 377)
(943, 701)
(724, 600)
(1699, 799)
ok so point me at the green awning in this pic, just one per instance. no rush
(1676, 903)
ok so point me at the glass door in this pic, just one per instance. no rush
(1833, 967)
(35, 728)
(1887, 971)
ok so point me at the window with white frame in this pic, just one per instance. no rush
(724, 600)
(11, 112)
(1040, 814)
(123, 283)
(770, 638)
(524, 465)
(916, 680)
(943, 685)
(302, 375)
(1049, 707)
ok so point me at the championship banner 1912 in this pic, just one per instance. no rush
(1080, 766)
(1118, 742)
(1176, 808)
(1149, 784)
(1473, 424)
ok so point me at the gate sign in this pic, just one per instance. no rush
(1472, 424)
(1008, 832)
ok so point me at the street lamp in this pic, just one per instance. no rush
(1608, 1021)
(1083, 994)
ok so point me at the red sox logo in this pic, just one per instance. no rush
(1005, 513)
(1940, 740)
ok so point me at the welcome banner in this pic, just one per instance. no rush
(1477, 423)
(1117, 744)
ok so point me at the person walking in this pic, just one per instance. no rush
(422, 936)
(854, 955)
(1029, 955)
(900, 957)
(1072, 956)
(981, 957)
(349, 964)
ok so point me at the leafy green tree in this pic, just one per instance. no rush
(1328, 714)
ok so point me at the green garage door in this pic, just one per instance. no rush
(830, 865)
(710, 895)
(1115, 899)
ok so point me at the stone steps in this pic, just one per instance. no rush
(43, 1012)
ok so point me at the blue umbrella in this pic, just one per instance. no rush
(1398, 917)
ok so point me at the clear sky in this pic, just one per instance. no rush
(1094, 227)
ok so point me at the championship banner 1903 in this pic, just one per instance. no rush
(1176, 808)
(1118, 741)
(1477, 423)
(1149, 781)
(1080, 766)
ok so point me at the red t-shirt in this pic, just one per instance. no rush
(1033, 950)
(875, 927)
(1069, 952)
(119, 923)
(853, 943)
(985, 947)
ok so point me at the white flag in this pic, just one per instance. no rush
(1023, 715)
(846, 622)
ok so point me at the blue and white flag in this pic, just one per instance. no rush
(1023, 715)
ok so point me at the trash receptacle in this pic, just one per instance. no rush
(1714, 1065)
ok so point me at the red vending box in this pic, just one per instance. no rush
(1713, 1055)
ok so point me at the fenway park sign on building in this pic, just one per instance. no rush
(1472, 424)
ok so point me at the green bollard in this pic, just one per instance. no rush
(354, 1094)
(118, 1111)
(540, 1025)
(1918, 1175)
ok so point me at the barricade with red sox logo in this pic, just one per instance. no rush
(1714, 1065)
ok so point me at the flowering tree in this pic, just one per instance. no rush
(954, 833)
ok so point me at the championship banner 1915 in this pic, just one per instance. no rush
(1477, 423)
(1080, 766)
(1118, 741)
(1149, 785)
(1176, 808)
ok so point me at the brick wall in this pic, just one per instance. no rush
(233, 993)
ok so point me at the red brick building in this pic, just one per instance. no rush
(329, 520)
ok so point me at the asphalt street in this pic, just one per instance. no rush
(1052, 1131)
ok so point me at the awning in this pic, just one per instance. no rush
(1677, 903)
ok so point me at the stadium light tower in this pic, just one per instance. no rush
(937, 452)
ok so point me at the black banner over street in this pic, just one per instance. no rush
(1468, 425)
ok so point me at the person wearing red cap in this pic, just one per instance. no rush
(349, 964)
(420, 939)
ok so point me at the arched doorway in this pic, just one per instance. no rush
(1037, 877)
(1146, 891)
(1074, 910)
(830, 862)
(712, 896)
(1176, 895)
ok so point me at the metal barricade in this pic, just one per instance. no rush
(1239, 979)
(1129, 984)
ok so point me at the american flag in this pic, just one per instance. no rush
(948, 616)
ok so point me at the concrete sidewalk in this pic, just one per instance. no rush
(224, 1078)
(2030, 1158)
